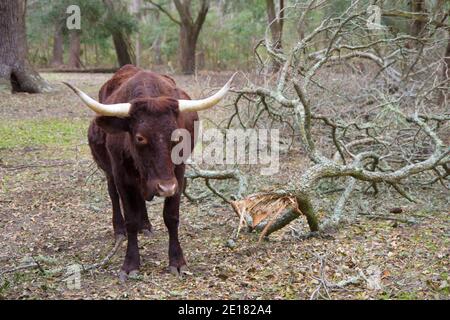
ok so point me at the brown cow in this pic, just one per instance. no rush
(130, 140)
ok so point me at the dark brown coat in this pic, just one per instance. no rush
(135, 154)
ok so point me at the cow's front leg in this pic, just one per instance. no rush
(117, 218)
(132, 201)
(145, 227)
(177, 263)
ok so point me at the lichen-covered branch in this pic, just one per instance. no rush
(209, 175)
(389, 130)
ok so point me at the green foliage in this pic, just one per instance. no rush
(96, 26)
(227, 41)
(22, 133)
(231, 45)
(119, 19)
(236, 31)
(234, 34)
(4, 286)
(152, 28)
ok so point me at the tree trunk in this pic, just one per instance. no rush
(122, 48)
(189, 32)
(222, 10)
(121, 43)
(75, 49)
(276, 27)
(444, 94)
(188, 44)
(15, 72)
(58, 39)
(136, 10)
(446, 70)
(276, 23)
(138, 50)
(417, 24)
(157, 43)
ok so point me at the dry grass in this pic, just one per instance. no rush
(262, 207)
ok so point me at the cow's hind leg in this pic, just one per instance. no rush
(117, 218)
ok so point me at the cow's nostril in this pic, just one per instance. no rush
(167, 189)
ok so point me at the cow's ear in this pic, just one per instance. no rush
(113, 124)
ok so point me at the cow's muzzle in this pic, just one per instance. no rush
(166, 188)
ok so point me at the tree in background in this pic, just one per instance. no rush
(75, 49)
(441, 10)
(158, 41)
(58, 46)
(189, 30)
(238, 27)
(137, 11)
(120, 24)
(54, 14)
(101, 22)
(274, 31)
(275, 19)
(15, 70)
(418, 7)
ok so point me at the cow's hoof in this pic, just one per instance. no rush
(124, 276)
(147, 233)
(179, 271)
(120, 237)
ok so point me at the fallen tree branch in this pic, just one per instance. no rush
(27, 166)
(34, 264)
(387, 131)
(208, 175)
(386, 217)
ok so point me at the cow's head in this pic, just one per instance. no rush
(150, 123)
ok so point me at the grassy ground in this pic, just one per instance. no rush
(54, 208)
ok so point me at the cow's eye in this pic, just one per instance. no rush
(140, 139)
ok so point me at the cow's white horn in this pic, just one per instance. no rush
(203, 104)
(112, 110)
